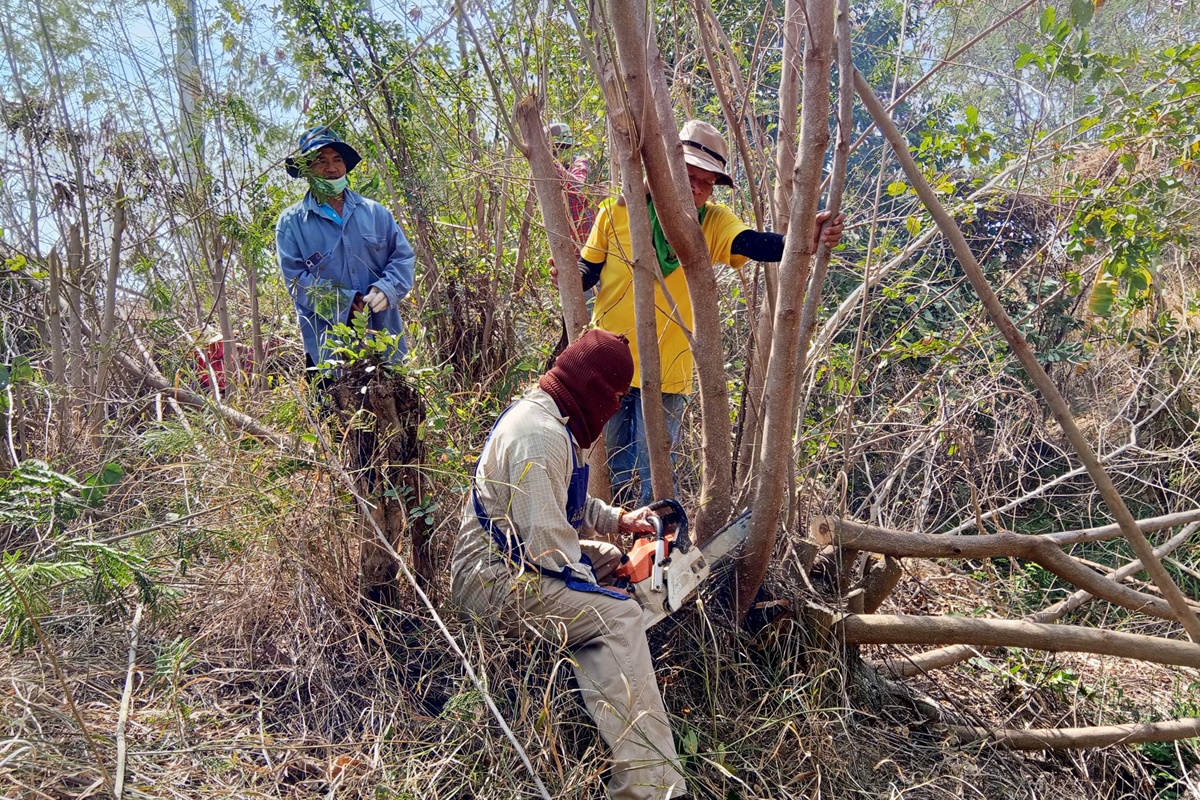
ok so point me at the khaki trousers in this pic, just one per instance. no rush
(611, 660)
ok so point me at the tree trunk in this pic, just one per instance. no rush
(645, 276)
(662, 155)
(256, 338)
(380, 414)
(74, 282)
(1074, 738)
(785, 165)
(187, 76)
(789, 102)
(546, 182)
(778, 418)
(55, 301)
(837, 183)
(553, 204)
(109, 313)
(1020, 347)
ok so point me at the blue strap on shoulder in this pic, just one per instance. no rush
(514, 548)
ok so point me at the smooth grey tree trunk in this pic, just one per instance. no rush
(778, 417)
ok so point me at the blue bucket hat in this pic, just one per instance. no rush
(313, 140)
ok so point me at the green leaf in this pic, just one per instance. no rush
(1103, 294)
(972, 116)
(1139, 279)
(99, 483)
(912, 225)
(1046, 20)
(897, 188)
(1128, 161)
(1081, 12)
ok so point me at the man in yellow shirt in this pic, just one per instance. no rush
(607, 259)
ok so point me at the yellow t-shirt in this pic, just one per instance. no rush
(609, 243)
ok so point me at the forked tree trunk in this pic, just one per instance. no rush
(778, 419)
(380, 414)
(642, 72)
(1042, 549)
(942, 657)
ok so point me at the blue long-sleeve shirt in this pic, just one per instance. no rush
(326, 261)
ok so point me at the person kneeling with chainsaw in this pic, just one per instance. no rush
(523, 566)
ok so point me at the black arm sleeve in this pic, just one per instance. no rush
(589, 272)
(758, 246)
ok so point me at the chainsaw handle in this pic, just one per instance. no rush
(675, 515)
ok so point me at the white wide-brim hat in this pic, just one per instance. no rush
(705, 148)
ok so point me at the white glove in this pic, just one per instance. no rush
(376, 299)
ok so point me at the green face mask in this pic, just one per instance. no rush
(324, 187)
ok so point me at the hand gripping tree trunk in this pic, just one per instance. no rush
(642, 72)
(645, 262)
(1054, 399)
(793, 276)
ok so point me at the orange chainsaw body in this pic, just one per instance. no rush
(639, 561)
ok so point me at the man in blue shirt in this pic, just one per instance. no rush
(340, 253)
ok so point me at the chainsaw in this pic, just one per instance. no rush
(665, 569)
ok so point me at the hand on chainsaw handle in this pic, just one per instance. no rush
(637, 521)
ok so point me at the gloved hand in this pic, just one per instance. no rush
(376, 299)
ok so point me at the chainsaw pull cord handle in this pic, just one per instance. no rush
(675, 515)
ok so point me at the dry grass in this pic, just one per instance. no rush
(266, 677)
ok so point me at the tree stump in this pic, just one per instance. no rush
(379, 414)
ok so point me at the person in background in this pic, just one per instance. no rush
(523, 564)
(581, 211)
(340, 253)
(606, 262)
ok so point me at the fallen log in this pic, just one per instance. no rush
(909, 666)
(1075, 738)
(895, 629)
(879, 578)
(1042, 550)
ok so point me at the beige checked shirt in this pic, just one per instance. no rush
(522, 482)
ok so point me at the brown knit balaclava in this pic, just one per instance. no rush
(587, 380)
